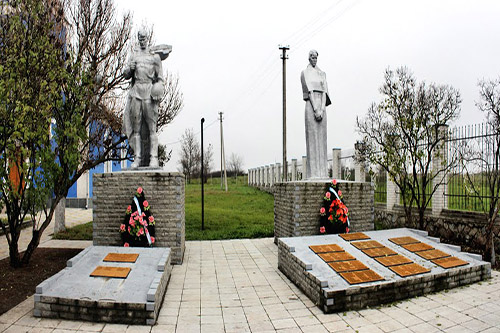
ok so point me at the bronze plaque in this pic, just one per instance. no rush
(450, 262)
(416, 247)
(432, 254)
(366, 245)
(379, 252)
(393, 260)
(326, 248)
(122, 257)
(361, 276)
(404, 240)
(354, 236)
(112, 272)
(409, 269)
(347, 266)
(336, 256)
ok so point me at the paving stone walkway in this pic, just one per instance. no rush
(235, 286)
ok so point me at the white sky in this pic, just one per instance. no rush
(226, 54)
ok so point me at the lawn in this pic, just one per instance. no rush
(241, 212)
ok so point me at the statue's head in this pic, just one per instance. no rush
(313, 57)
(142, 36)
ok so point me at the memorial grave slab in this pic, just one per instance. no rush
(135, 298)
(398, 274)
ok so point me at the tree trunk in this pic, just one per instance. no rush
(35, 241)
(493, 258)
(15, 258)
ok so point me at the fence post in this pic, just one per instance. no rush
(268, 181)
(271, 175)
(278, 173)
(294, 169)
(439, 199)
(392, 194)
(336, 164)
(304, 167)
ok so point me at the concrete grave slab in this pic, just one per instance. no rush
(74, 294)
(332, 292)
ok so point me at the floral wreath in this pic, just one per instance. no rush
(138, 227)
(334, 215)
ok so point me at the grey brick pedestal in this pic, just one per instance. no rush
(297, 204)
(165, 192)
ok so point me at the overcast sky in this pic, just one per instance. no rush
(226, 55)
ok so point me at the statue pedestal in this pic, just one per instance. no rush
(297, 204)
(113, 192)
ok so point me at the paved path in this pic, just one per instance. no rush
(235, 286)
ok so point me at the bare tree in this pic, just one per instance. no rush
(208, 158)
(235, 164)
(481, 161)
(190, 155)
(403, 133)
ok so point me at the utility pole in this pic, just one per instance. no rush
(222, 156)
(202, 181)
(284, 56)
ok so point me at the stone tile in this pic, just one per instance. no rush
(306, 321)
(17, 329)
(476, 325)
(69, 325)
(390, 325)
(284, 323)
(163, 329)
(91, 327)
(114, 328)
(212, 328)
(138, 329)
(41, 330)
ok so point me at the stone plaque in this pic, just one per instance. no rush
(361, 276)
(409, 269)
(404, 240)
(416, 247)
(354, 236)
(347, 266)
(336, 256)
(367, 245)
(379, 252)
(449, 262)
(122, 257)
(433, 254)
(326, 248)
(111, 272)
(393, 260)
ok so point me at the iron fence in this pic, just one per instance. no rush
(476, 147)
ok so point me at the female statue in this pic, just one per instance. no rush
(315, 93)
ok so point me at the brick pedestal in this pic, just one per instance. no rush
(297, 204)
(165, 191)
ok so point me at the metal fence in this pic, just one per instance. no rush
(475, 147)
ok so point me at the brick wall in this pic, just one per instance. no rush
(451, 226)
(113, 192)
(297, 204)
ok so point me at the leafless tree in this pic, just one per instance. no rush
(235, 164)
(481, 161)
(208, 158)
(403, 133)
(190, 155)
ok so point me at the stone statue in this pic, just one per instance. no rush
(315, 93)
(141, 112)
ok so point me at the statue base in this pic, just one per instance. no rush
(297, 204)
(165, 192)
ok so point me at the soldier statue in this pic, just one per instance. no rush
(140, 117)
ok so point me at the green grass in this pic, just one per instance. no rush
(242, 212)
(79, 232)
